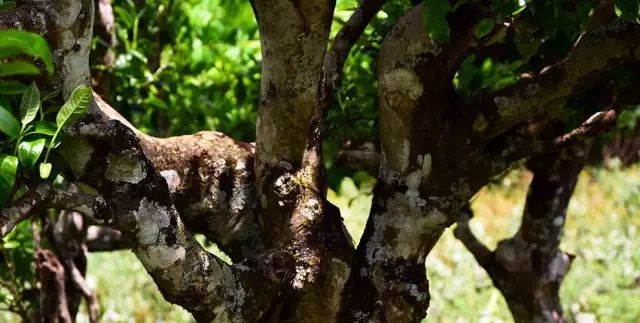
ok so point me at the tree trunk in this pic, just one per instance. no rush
(529, 267)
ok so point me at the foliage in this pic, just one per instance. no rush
(21, 147)
(186, 66)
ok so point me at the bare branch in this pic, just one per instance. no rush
(483, 255)
(597, 124)
(345, 39)
(101, 238)
(360, 159)
(45, 197)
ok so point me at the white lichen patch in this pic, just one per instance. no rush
(405, 218)
(305, 270)
(172, 178)
(125, 167)
(160, 256)
(284, 184)
(150, 218)
(558, 221)
(402, 81)
(417, 294)
(223, 282)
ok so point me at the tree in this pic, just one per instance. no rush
(442, 137)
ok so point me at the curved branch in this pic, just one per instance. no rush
(480, 252)
(211, 180)
(142, 208)
(345, 39)
(594, 53)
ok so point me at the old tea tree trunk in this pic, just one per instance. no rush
(265, 204)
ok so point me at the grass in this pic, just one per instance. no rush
(602, 231)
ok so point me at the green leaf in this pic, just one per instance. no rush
(13, 42)
(45, 170)
(75, 107)
(44, 128)
(484, 27)
(18, 68)
(8, 171)
(435, 19)
(30, 104)
(30, 151)
(7, 5)
(8, 123)
(628, 9)
(12, 87)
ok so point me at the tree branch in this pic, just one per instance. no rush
(480, 252)
(345, 39)
(100, 238)
(44, 197)
(594, 53)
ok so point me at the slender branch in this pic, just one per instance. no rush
(360, 159)
(483, 255)
(101, 238)
(44, 197)
(597, 124)
(345, 39)
(81, 284)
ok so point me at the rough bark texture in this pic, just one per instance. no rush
(529, 267)
(265, 205)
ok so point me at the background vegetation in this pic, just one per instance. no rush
(603, 231)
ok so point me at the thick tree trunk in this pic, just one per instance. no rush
(529, 267)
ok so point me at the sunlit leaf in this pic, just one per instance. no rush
(30, 104)
(44, 128)
(18, 68)
(30, 151)
(45, 170)
(8, 171)
(75, 107)
(14, 42)
(8, 123)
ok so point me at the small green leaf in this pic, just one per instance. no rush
(14, 42)
(8, 171)
(18, 68)
(45, 170)
(30, 151)
(484, 27)
(12, 87)
(75, 107)
(435, 19)
(7, 5)
(44, 128)
(30, 104)
(8, 123)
